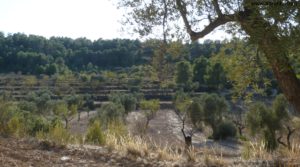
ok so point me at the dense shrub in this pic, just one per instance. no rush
(35, 124)
(224, 130)
(16, 126)
(109, 112)
(7, 111)
(128, 101)
(196, 113)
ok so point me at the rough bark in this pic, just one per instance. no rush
(187, 139)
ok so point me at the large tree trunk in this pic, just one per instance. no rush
(261, 32)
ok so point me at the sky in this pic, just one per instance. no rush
(92, 19)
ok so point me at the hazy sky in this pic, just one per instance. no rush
(92, 19)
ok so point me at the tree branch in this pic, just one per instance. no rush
(221, 20)
(290, 132)
(281, 142)
(217, 8)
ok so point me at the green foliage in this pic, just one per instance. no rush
(117, 128)
(184, 74)
(214, 109)
(196, 113)
(65, 112)
(35, 124)
(182, 101)
(128, 101)
(209, 109)
(37, 102)
(16, 126)
(245, 68)
(200, 69)
(7, 111)
(111, 112)
(59, 134)
(150, 108)
(135, 84)
(268, 121)
(95, 134)
(60, 108)
(224, 130)
(215, 76)
(38, 55)
(28, 106)
(73, 100)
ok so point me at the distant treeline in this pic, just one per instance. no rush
(31, 54)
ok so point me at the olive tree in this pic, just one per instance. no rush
(62, 110)
(110, 112)
(128, 101)
(211, 110)
(184, 75)
(182, 102)
(269, 122)
(149, 108)
(272, 26)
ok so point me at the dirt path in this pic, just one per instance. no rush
(165, 128)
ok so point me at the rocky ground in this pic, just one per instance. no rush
(33, 153)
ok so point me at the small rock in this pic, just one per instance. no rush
(145, 161)
(139, 159)
(102, 159)
(112, 161)
(65, 158)
(175, 165)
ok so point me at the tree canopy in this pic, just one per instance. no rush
(273, 27)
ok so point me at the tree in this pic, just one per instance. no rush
(214, 110)
(215, 76)
(184, 74)
(111, 112)
(273, 28)
(182, 102)
(150, 108)
(199, 70)
(269, 122)
(62, 110)
(128, 101)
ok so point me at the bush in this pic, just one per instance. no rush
(35, 124)
(95, 134)
(111, 111)
(16, 126)
(59, 134)
(128, 101)
(7, 111)
(224, 130)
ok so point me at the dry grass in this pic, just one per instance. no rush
(138, 147)
(282, 156)
(293, 153)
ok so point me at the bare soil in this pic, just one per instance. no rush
(33, 153)
(165, 128)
